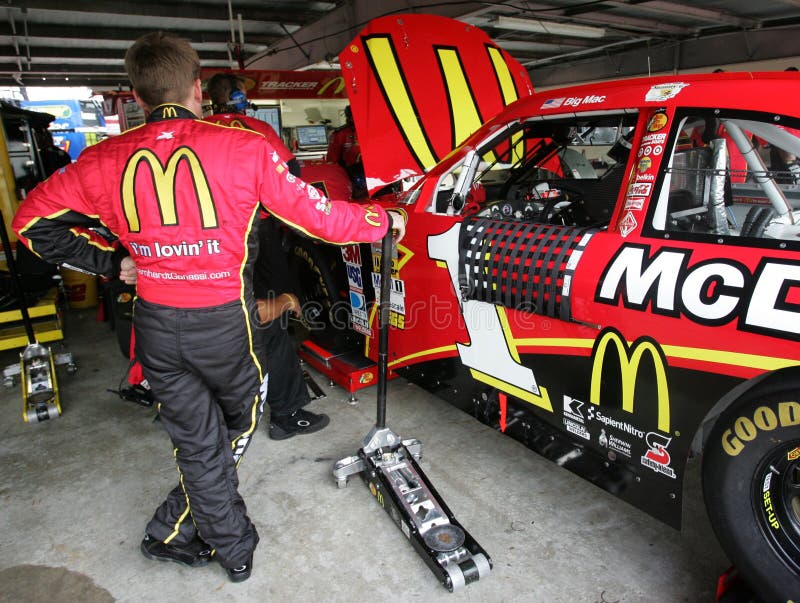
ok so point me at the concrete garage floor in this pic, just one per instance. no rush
(76, 492)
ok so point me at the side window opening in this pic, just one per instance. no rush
(731, 176)
(560, 170)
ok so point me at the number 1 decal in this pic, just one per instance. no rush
(491, 354)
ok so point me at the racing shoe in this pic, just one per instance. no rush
(195, 554)
(241, 573)
(300, 421)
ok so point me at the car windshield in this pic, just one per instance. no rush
(522, 169)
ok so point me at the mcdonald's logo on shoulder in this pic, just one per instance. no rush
(163, 178)
(169, 111)
(628, 358)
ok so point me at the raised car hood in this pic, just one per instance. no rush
(418, 86)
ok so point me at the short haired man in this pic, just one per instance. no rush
(183, 196)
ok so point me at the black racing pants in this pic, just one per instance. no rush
(204, 371)
(271, 277)
(287, 387)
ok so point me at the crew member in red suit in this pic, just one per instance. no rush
(343, 148)
(182, 196)
(273, 282)
(330, 178)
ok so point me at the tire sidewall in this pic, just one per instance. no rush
(320, 273)
(755, 428)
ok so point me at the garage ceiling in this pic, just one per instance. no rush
(52, 42)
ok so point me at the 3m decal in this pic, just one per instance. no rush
(765, 418)
(712, 292)
(627, 360)
(164, 185)
(491, 353)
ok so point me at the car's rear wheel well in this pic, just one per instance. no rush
(765, 383)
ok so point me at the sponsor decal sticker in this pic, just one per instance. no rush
(767, 499)
(576, 429)
(657, 456)
(654, 138)
(613, 443)
(663, 92)
(634, 203)
(657, 122)
(639, 189)
(628, 224)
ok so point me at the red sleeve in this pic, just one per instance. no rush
(54, 222)
(303, 207)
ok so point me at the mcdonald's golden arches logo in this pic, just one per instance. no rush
(630, 358)
(169, 112)
(164, 187)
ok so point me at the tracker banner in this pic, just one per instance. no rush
(418, 86)
(270, 84)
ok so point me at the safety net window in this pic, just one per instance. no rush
(734, 175)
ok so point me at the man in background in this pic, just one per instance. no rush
(273, 282)
(343, 148)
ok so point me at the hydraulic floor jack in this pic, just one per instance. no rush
(389, 467)
(40, 397)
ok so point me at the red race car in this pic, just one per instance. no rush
(609, 273)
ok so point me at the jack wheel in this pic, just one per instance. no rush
(8, 382)
(482, 564)
(52, 411)
(341, 483)
(455, 578)
(72, 368)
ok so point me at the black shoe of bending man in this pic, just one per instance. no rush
(300, 421)
(241, 573)
(195, 554)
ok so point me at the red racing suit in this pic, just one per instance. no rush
(183, 196)
(238, 120)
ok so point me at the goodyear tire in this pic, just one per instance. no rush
(323, 293)
(751, 485)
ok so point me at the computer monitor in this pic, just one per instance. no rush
(311, 136)
(271, 115)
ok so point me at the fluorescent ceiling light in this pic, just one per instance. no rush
(548, 27)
